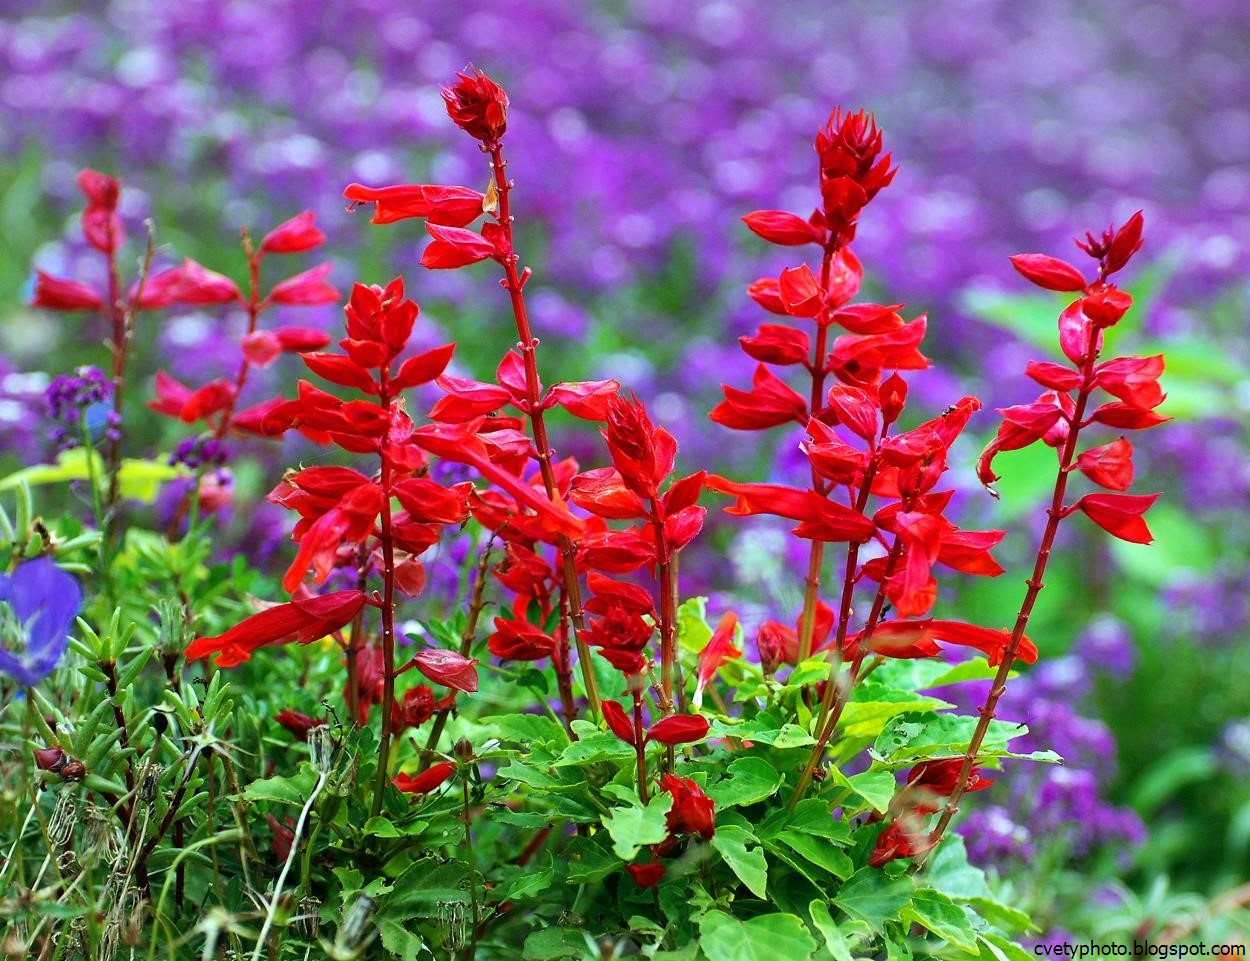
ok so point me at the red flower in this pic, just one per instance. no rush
(426, 781)
(693, 812)
(283, 837)
(305, 289)
(769, 403)
(454, 247)
(478, 106)
(906, 837)
(517, 640)
(719, 649)
(55, 293)
(679, 729)
(101, 226)
(303, 620)
(1119, 514)
(293, 236)
(448, 668)
(642, 453)
(449, 206)
(417, 706)
(646, 875)
(910, 639)
(1110, 465)
(1050, 273)
(298, 724)
(618, 721)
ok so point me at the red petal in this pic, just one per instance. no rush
(423, 368)
(783, 228)
(294, 236)
(1110, 465)
(618, 721)
(1120, 514)
(449, 668)
(454, 247)
(306, 289)
(679, 729)
(426, 781)
(55, 293)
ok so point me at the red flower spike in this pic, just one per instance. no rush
(642, 453)
(769, 403)
(426, 781)
(306, 289)
(693, 812)
(646, 875)
(301, 620)
(1050, 273)
(618, 721)
(294, 236)
(449, 668)
(783, 228)
(1109, 466)
(56, 293)
(679, 729)
(478, 106)
(1119, 514)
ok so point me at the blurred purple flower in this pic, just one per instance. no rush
(42, 603)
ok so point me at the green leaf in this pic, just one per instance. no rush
(770, 937)
(822, 852)
(632, 828)
(693, 630)
(423, 886)
(400, 941)
(939, 914)
(283, 790)
(867, 719)
(873, 897)
(749, 864)
(385, 828)
(825, 926)
(527, 728)
(588, 862)
(551, 943)
(995, 948)
(875, 787)
(531, 879)
(812, 816)
(950, 873)
(141, 480)
(748, 780)
(602, 746)
(913, 737)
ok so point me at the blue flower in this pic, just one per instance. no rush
(45, 601)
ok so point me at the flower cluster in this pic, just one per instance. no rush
(79, 403)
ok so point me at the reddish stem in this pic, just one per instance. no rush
(514, 284)
(388, 607)
(1055, 514)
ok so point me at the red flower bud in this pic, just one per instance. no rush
(478, 106)
(298, 724)
(646, 875)
(50, 759)
(679, 729)
(426, 781)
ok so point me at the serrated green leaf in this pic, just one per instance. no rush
(873, 897)
(531, 879)
(602, 746)
(995, 948)
(382, 827)
(402, 943)
(875, 787)
(588, 862)
(770, 937)
(868, 719)
(749, 864)
(747, 780)
(423, 886)
(938, 913)
(632, 828)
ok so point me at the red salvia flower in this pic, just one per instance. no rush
(478, 106)
(719, 649)
(303, 620)
(693, 812)
(294, 236)
(426, 781)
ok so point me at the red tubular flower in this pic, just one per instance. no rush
(646, 875)
(642, 453)
(518, 640)
(906, 837)
(940, 777)
(618, 721)
(719, 649)
(448, 206)
(298, 723)
(478, 106)
(426, 781)
(305, 289)
(1119, 514)
(294, 236)
(693, 812)
(56, 293)
(449, 668)
(783, 228)
(101, 226)
(454, 247)
(302, 620)
(1110, 465)
(769, 403)
(912, 639)
(1050, 273)
(201, 286)
(679, 729)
